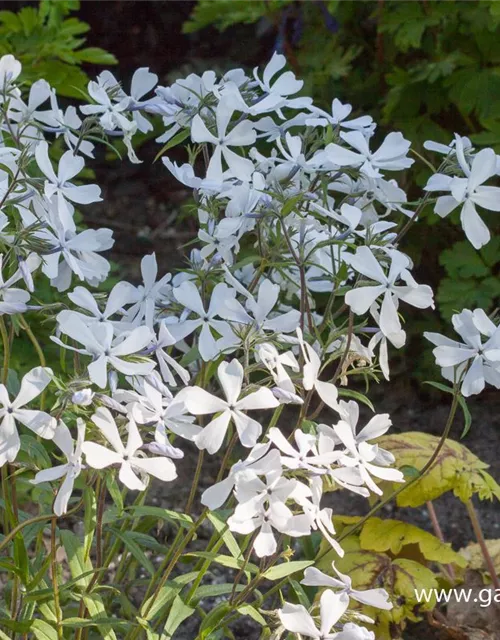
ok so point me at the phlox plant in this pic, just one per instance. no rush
(254, 353)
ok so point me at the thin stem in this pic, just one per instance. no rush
(55, 583)
(439, 533)
(246, 560)
(476, 525)
(99, 522)
(196, 480)
(6, 350)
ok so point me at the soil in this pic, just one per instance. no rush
(142, 204)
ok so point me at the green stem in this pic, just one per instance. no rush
(194, 484)
(242, 570)
(55, 583)
(6, 350)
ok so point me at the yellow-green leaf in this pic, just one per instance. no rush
(393, 535)
(456, 469)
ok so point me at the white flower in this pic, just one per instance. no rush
(276, 362)
(100, 457)
(73, 252)
(120, 295)
(390, 156)
(294, 158)
(60, 185)
(84, 397)
(200, 402)
(470, 192)
(262, 505)
(99, 342)
(296, 618)
(164, 413)
(259, 460)
(110, 113)
(167, 362)
(21, 112)
(366, 458)
(258, 310)
(361, 299)
(189, 296)
(44, 425)
(480, 359)
(12, 299)
(278, 89)
(312, 366)
(70, 470)
(337, 117)
(306, 456)
(319, 518)
(10, 69)
(378, 598)
(143, 81)
(149, 293)
(242, 134)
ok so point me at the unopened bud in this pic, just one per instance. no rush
(84, 397)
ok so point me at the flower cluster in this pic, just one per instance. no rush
(298, 280)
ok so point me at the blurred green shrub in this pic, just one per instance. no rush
(422, 67)
(49, 45)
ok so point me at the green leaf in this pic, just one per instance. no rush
(96, 609)
(21, 558)
(225, 561)
(90, 520)
(222, 529)
(95, 55)
(173, 142)
(166, 595)
(248, 610)
(360, 397)
(79, 566)
(211, 621)
(135, 550)
(178, 613)
(43, 630)
(162, 514)
(82, 623)
(215, 591)
(114, 491)
(286, 569)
